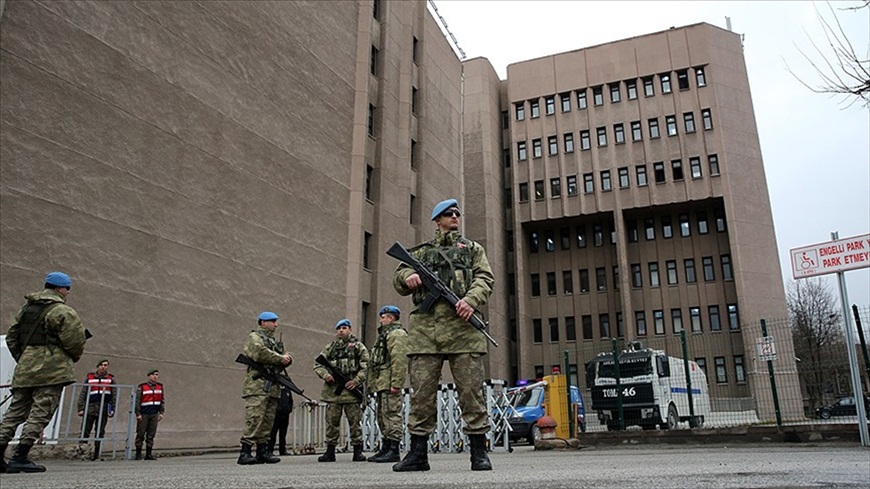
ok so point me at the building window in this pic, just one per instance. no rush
(648, 88)
(536, 285)
(521, 111)
(659, 171)
(615, 277)
(367, 238)
(714, 164)
(585, 142)
(695, 319)
(539, 371)
(677, 320)
(371, 121)
(636, 131)
(640, 322)
(521, 151)
(671, 266)
(551, 283)
(581, 236)
(373, 61)
(549, 242)
(415, 50)
(631, 88)
(537, 332)
(654, 274)
(606, 185)
(707, 264)
(567, 282)
(636, 275)
(631, 231)
(689, 265)
(685, 230)
(695, 166)
(581, 99)
(641, 175)
(597, 96)
(539, 190)
(733, 318)
(535, 108)
(654, 128)
(612, 233)
(683, 79)
(413, 100)
(702, 364)
(569, 142)
(707, 118)
(649, 225)
(506, 157)
(602, 136)
(376, 9)
(565, 238)
(666, 82)
(671, 122)
(702, 223)
(550, 105)
(659, 321)
(570, 329)
(588, 183)
(572, 185)
(618, 133)
(689, 121)
(586, 319)
(555, 188)
(700, 77)
(667, 227)
(597, 235)
(604, 325)
(614, 93)
(554, 330)
(721, 373)
(713, 312)
(584, 280)
(537, 150)
(565, 98)
(739, 371)
(601, 279)
(533, 242)
(370, 171)
(719, 214)
(524, 192)
(552, 145)
(415, 155)
(624, 179)
(677, 169)
(620, 325)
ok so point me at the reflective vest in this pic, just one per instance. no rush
(152, 398)
(99, 386)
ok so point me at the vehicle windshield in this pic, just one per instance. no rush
(628, 367)
(529, 398)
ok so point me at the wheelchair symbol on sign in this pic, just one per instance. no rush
(807, 262)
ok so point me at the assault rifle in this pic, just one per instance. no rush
(437, 288)
(271, 377)
(338, 377)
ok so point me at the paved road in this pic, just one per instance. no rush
(760, 466)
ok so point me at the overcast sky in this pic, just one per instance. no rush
(816, 151)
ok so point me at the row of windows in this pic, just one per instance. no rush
(693, 323)
(615, 90)
(619, 135)
(671, 275)
(622, 178)
(721, 371)
(598, 230)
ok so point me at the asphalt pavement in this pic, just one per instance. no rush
(625, 467)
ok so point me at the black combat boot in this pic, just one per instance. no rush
(329, 456)
(20, 463)
(3, 457)
(245, 457)
(96, 455)
(417, 458)
(392, 454)
(148, 455)
(357, 454)
(479, 458)
(385, 447)
(138, 453)
(264, 455)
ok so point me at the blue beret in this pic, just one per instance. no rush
(443, 206)
(389, 310)
(267, 316)
(343, 322)
(58, 279)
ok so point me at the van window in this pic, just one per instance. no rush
(664, 366)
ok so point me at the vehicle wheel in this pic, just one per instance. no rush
(673, 419)
(534, 434)
(647, 427)
(825, 414)
(612, 426)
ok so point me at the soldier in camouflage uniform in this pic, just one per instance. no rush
(46, 340)
(444, 333)
(351, 357)
(260, 404)
(387, 371)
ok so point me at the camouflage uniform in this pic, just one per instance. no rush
(260, 405)
(441, 333)
(388, 368)
(45, 365)
(350, 357)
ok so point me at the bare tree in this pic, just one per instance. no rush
(818, 338)
(841, 69)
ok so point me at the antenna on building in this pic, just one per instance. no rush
(728, 22)
(447, 29)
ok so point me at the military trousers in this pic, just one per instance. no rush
(259, 418)
(95, 417)
(146, 430)
(353, 413)
(391, 409)
(33, 406)
(468, 375)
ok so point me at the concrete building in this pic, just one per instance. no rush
(192, 164)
